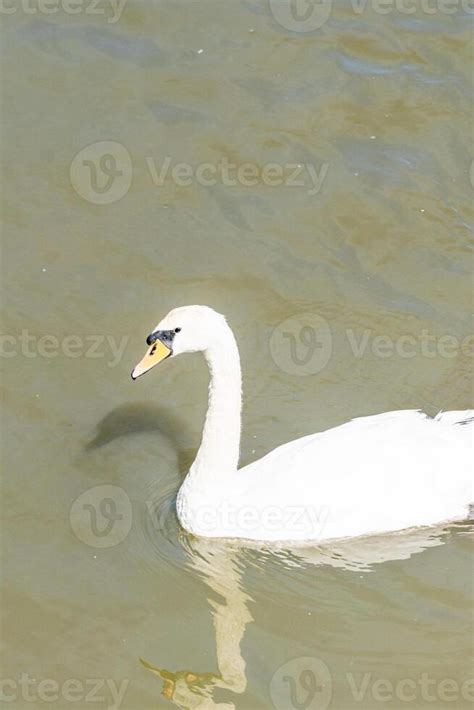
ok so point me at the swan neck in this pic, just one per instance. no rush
(219, 450)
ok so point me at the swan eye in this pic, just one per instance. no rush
(177, 330)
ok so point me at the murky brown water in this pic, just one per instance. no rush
(370, 251)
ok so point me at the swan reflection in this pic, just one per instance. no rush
(221, 565)
(218, 565)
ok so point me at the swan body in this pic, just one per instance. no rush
(372, 475)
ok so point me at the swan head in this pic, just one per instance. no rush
(188, 329)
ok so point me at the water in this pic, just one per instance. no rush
(349, 293)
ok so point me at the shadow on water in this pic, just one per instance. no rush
(141, 417)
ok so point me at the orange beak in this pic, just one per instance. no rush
(155, 354)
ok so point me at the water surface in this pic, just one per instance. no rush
(375, 242)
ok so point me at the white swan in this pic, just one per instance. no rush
(371, 475)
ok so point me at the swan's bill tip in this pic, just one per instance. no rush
(155, 354)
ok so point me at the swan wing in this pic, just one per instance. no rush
(373, 474)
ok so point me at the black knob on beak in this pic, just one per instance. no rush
(151, 338)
